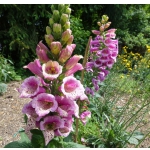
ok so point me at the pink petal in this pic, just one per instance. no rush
(48, 135)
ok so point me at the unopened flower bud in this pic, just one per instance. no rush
(66, 26)
(61, 7)
(56, 16)
(101, 28)
(67, 5)
(56, 27)
(57, 31)
(68, 11)
(55, 47)
(41, 51)
(53, 7)
(107, 25)
(65, 36)
(105, 18)
(49, 39)
(63, 19)
(51, 22)
(99, 23)
(48, 30)
(102, 21)
(66, 53)
(70, 40)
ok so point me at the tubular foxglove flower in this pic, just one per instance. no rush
(51, 70)
(66, 53)
(74, 69)
(44, 103)
(41, 51)
(67, 107)
(30, 87)
(49, 125)
(65, 131)
(72, 88)
(85, 116)
(35, 67)
(73, 61)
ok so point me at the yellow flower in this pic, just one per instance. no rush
(148, 50)
(130, 69)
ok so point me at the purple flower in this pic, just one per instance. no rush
(67, 107)
(44, 103)
(85, 116)
(30, 87)
(72, 88)
(74, 69)
(29, 110)
(49, 125)
(73, 61)
(41, 51)
(35, 67)
(65, 131)
(51, 70)
(89, 91)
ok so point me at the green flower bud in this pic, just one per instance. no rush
(49, 39)
(66, 26)
(53, 7)
(56, 16)
(67, 5)
(65, 36)
(61, 7)
(55, 47)
(68, 11)
(63, 19)
(51, 22)
(105, 18)
(57, 31)
(48, 30)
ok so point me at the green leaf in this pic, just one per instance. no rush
(54, 143)
(133, 140)
(17, 144)
(68, 138)
(73, 145)
(37, 138)
(24, 137)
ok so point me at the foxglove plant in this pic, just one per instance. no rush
(54, 90)
(103, 53)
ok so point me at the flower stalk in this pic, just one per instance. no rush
(82, 78)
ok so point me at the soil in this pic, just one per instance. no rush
(12, 118)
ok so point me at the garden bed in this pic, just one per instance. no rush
(12, 117)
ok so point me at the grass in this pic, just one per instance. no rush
(120, 112)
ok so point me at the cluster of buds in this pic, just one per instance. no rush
(103, 53)
(53, 90)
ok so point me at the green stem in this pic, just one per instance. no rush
(82, 77)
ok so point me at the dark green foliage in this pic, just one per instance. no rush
(22, 26)
(80, 39)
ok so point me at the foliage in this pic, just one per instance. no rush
(7, 70)
(24, 142)
(79, 38)
(21, 28)
(3, 88)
